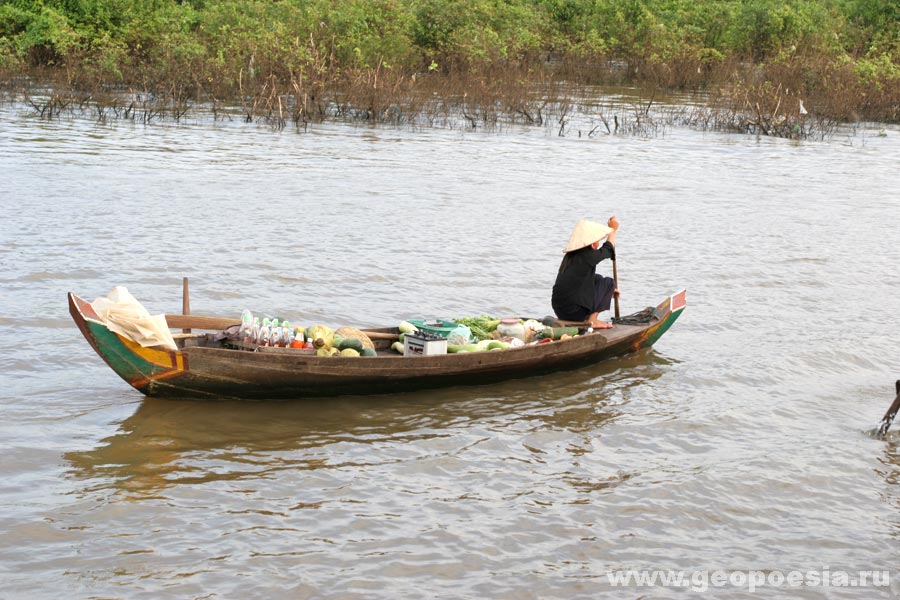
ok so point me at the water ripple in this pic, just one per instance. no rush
(738, 442)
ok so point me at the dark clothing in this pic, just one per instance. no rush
(579, 291)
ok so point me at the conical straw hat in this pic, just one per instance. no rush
(586, 233)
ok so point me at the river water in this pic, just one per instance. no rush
(738, 443)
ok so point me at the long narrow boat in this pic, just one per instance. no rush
(204, 366)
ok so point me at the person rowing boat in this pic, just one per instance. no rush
(580, 293)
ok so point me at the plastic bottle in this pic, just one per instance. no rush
(254, 333)
(275, 334)
(246, 329)
(298, 342)
(511, 328)
(287, 336)
(264, 332)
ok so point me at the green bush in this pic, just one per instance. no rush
(877, 70)
(231, 42)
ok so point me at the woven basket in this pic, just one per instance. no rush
(353, 332)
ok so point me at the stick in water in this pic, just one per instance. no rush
(890, 414)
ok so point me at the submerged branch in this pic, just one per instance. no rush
(500, 99)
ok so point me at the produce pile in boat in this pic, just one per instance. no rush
(466, 334)
(485, 333)
(346, 341)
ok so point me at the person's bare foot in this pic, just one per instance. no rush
(598, 324)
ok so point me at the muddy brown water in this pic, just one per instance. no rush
(737, 443)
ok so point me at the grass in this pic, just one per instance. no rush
(490, 100)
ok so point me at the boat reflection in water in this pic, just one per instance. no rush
(168, 442)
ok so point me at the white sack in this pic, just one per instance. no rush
(123, 314)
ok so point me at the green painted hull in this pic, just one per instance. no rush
(221, 372)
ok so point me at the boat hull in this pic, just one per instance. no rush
(231, 373)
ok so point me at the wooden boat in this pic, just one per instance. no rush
(206, 367)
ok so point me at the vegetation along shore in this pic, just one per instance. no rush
(774, 67)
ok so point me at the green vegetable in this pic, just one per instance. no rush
(498, 345)
(481, 327)
(558, 332)
(322, 337)
(453, 349)
(397, 347)
(349, 352)
(407, 327)
(546, 332)
(368, 352)
(352, 343)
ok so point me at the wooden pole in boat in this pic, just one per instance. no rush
(185, 301)
(890, 414)
(615, 287)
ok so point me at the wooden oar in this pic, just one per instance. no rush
(890, 414)
(197, 322)
(564, 323)
(185, 302)
(615, 287)
(377, 335)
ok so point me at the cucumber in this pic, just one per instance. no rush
(368, 352)
(453, 349)
(407, 327)
(498, 345)
(397, 347)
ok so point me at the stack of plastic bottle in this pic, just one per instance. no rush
(270, 332)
